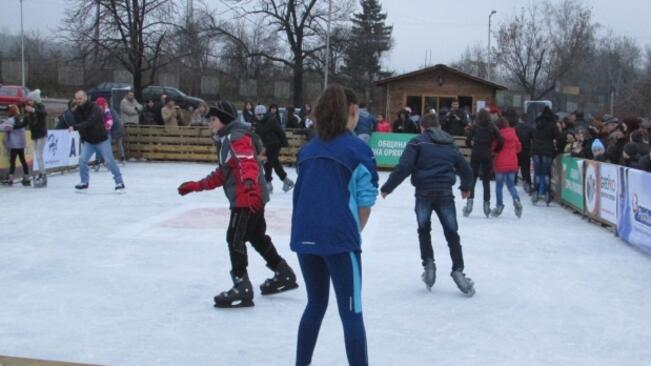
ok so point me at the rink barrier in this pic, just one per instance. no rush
(172, 143)
(612, 195)
(20, 361)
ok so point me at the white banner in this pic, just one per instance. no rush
(635, 218)
(609, 186)
(61, 149)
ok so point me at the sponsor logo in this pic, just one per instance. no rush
(641, 214)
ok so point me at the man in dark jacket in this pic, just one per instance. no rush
(456, 120)
(525, 133)
(36, 119)
(483, 138)
(433, 161)
(543, 150)
(273, 137)
(240, 174)
(89, 122)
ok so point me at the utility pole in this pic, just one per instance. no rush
(327, 64)
(489, 66)
(22, 45)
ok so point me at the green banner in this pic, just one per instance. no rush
(572, 188)
(388, 147)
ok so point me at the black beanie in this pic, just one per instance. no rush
(224, 110)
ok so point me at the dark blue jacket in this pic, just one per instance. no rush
(365, 123)
(433, 161)
(335, 179)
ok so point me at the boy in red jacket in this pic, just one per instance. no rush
(506, 167)
(240, 173)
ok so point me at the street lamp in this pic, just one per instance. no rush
(488, 69)
(22, 45)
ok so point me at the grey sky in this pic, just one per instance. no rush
(445, 27)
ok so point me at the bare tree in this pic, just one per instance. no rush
(132, 32)
(536, 48)
(473, 61)
(301, 25)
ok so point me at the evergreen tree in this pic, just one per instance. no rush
(370, 38)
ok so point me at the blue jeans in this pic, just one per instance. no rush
(443, 205)
(500, 179)
(346, 273)
(542, 166)
(103, 150)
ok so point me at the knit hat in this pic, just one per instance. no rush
(13, 110)
(607, 118)
(260, 109)
(35, 96)
(224, 110)
(101, 102)
(597, 146)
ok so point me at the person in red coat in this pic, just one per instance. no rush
(383, 125)
(506, 167)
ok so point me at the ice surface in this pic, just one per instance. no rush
(128, 279)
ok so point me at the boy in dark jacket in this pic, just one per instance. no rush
(543, 151)
(273, 137)
(433, 160)
(240, 173)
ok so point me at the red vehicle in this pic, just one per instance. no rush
(13, 94)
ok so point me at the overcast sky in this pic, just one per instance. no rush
(444, 27)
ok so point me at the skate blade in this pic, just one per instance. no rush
(235, 304)
(282, 289)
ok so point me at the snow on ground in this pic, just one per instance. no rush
(128, 279)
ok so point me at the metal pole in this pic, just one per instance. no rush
(22, 45)
(327, 65)
(488, 66)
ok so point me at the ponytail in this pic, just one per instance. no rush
(331, 111)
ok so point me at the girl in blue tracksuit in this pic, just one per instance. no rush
(336, 187)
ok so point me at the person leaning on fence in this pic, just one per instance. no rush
(36, 119)
(200, 116)
(14, 141)
(433, 161)
(130, 109)
(170, 113)
(95, 137)
(240, 174)
(148, 117)
(67, 118)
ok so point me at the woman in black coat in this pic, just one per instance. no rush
(543, 151)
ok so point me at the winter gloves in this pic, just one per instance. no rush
(188, 187)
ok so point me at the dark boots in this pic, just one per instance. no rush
(284, 279)
(239, 296)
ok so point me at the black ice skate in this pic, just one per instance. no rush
(81, 186)
(487, 208)
(429, 273)
(497, 211)
(120, 187)
(8, 181)
(288, 184)
(518, 207)
(284, 279)
(240, 296)
(535, 197)
(464, 283)
(547, 199)
(26, 182)
(468, 209)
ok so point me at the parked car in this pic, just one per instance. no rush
(182, 100)
(13, 94)
(104, 90)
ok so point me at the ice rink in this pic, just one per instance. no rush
(128, 279)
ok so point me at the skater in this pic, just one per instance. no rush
(240, 173)
(336, 187)
(273, 137)
(89, 122)
(35, 118)
(483, 138)
(543, 151)
(506, 168)
(14, 140)
(525, 134)
(433, 160)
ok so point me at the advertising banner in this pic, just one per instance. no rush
(572, 184)
(634, 224)
(591, 190)
(57, 148)
(388, 147)
(609, 186)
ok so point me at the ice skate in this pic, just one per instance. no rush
(468, 208)
(429, 273)
(547, 199)
(487, 208)
(120, 187)
(26, 182)
(518, 207)
(40, 181)
(81, 186)
(535, 197)
(288, 184)
(465, 284)
(283, 280)
(270, 187)
(239, 296)
(8, 181)
(497, 211)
